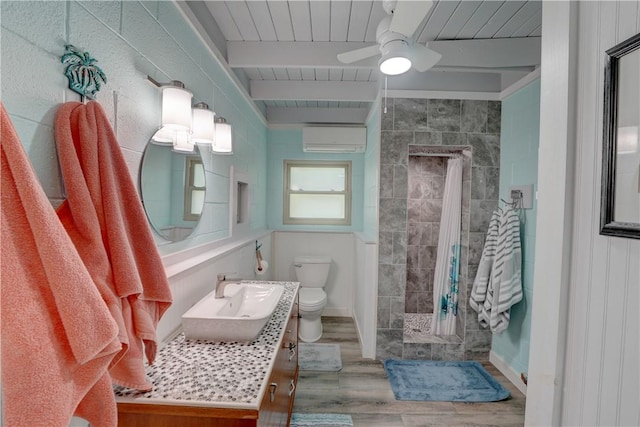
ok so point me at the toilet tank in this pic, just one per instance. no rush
(312, 271)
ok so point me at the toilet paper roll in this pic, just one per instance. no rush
(265, 266)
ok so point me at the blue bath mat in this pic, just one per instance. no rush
(319, 357)
(320, 420)
(443, 381)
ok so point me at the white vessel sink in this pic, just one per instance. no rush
(239, 316)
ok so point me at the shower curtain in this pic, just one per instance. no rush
(446, 280)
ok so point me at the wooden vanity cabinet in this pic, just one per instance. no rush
(277, 403)
(275, 409)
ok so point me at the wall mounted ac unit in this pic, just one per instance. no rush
(334, 139)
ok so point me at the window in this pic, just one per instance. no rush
(194, 189)
(317, 192)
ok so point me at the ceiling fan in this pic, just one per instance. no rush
(394, 37)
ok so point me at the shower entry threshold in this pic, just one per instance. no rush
(417, 329)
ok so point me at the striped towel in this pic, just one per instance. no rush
(498, 283)
(482, 284)
(507, 280)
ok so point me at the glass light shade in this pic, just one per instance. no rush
(183, 142)
(176, 107)
(394, 65)
(203, 127)
(223, 142)
(164, 136)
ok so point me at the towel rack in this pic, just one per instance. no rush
(516, 200)
(85, 77)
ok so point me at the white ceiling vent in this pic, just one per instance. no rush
(334, 139)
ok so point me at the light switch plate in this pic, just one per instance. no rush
(527, 194)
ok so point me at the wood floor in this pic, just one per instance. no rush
(362, 390)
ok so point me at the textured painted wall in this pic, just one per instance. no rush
(519, 141)
(372, 175)
(287, 145)
(130, 40)
(433, 122)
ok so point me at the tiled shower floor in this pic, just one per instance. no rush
(417, 329)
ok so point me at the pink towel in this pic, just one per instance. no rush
(58, 337)
(105, 219)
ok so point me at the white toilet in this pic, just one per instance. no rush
(312, 273)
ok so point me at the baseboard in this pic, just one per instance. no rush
(336, 312)
(506, 370)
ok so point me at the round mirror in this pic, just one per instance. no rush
(173, 188)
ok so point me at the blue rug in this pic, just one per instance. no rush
(320, 420)
(443, 381)
(319, 357)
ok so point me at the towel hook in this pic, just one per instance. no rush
(85, 78)
(516, 200)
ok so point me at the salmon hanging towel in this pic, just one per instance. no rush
(106, 221)
(58, 338)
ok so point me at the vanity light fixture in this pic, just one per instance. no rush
(176, 116)
(176, 106)
(183, 127)
(203, 126)
(182, 142)
(223, 143)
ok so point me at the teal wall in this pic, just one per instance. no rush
(518, 166)
(286, 144)
(372, 175)
(130, 40)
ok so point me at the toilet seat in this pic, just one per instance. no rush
(312, 298)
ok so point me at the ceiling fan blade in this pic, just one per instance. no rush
(359, 54)
(423, 57)
(408, 14)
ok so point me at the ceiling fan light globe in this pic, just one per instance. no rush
(394, 65)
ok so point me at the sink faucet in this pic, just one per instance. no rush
(222, 283)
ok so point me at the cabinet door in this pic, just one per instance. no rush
(291, 363)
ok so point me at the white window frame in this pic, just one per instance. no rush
(190, 187)
(286, 217)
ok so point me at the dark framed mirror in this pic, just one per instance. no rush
(620, 207)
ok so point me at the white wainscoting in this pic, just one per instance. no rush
(602, 359)
(339, 246)
(365, 294)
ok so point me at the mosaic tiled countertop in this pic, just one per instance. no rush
(216, 374)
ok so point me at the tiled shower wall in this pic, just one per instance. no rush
(424, 203)
(461, 123)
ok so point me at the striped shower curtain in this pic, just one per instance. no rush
(446, 280)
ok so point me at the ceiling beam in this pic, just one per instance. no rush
(293, 55)
(281, 115)
(434, 80)
(488, 53)
(310, 90)
(476, 53)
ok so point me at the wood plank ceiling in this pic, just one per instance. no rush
(286, 50)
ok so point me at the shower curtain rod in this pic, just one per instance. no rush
(450, 155)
